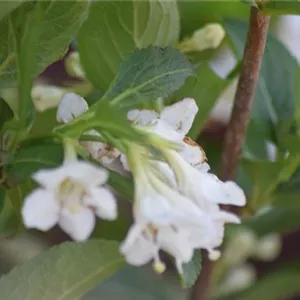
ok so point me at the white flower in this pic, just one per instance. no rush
(173, 123)
(207, 192)
(70, 195)
(163, 219)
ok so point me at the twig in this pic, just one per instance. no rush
(236, 130)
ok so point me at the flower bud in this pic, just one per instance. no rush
(73, 66)
(238, 279)
(240, 247)
(268, 247)
(46, 96)
(210, 36)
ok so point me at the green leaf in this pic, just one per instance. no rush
(279, 284)
(266, 176)
(6, 113)
(115, 28)
(30, 157)
(275, 7)
(65, 272)
(61, 21)
(205, 89)
(27, 38)
(122, 184)
(10, 220)
(191, 270)
(148, 74)
(7, 7)
(276, 219)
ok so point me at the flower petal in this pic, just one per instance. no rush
(103, 201)
(78, 225)
(193, 154)
(156, 209)
(40, 210)
(142, 117)
(222, 192)
(166, 131)
(175, 243)
(140, 253)
(226, 217)
(133, 234)
(86, 173)
(50, 178)
(70, 107)
(180, 116)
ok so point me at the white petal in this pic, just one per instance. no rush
(40, 210)
(50, 178)
(124, 162)
(78, 225)
(142, 117)
(156, 209)
(70, 107)
(203, 167)
(103, 201)
(180, 116)
(223, 193)
(140, 253)
(166, 131)
(133, 234)
(193, 154)
(86, 173)
(226, 217)
(175, 243)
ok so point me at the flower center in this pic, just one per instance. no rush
(70, 195)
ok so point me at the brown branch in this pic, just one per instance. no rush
(236, 130)
(237, 127)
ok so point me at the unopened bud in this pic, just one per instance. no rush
(238, 279)
(73, 66)
(46, 96)
(268, 247)
(240, 247)
(210, 36)
(70, 107)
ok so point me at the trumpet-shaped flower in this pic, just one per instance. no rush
(70, 195)
(207, 192)
(163, 219)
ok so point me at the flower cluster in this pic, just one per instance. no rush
(176, 200)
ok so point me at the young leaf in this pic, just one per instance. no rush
(65, 272)
(205, 89)
(60, 23)
(115, 28)
(148, 74)
(191, 270)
